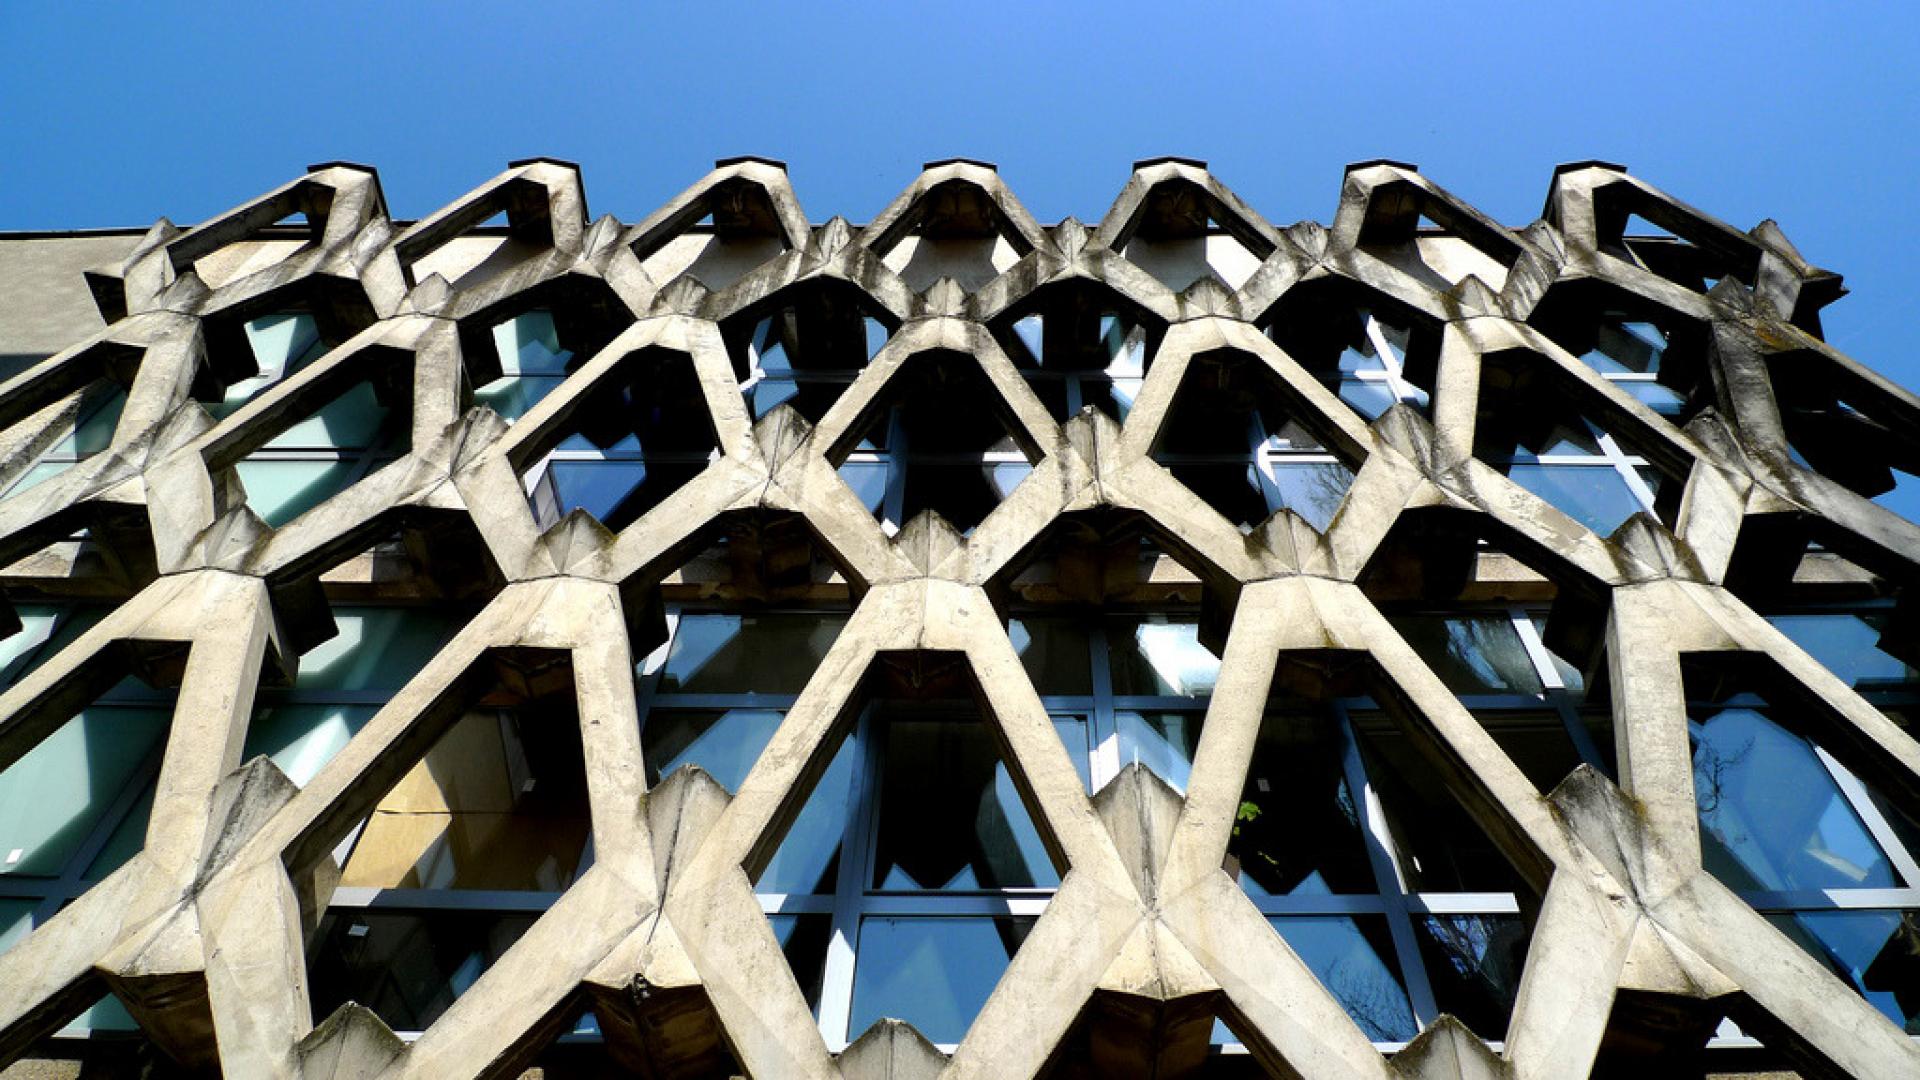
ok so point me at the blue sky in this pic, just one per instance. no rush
(116, 115)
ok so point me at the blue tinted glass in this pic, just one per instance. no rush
(868, 479)
(53, 798)
(1368, 398)
(1312, 489)
(300, 739)
(726, 743)
(1156, 656)
(1054, 652)
(951, 817)
(768, 393)
(1594, 495)
(1162, 741)
(530, 345)
(1472, 654)
(1661, 399)
(737, 654)
(16, 921)
(598, 487)
(1847, 645)
(513, 395)
(281, 490)
(354, 420)
(407, 968)
(376, 648)
(1348, 956)
(1771, 816)
(1473, 963)
(1872, 951)
(933, 973)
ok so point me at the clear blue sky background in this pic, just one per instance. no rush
(118, 114)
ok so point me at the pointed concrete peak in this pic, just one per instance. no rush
(1660, 965)
(749, 159)
(243, 800)
(1645, 540)
(836, 234)
(1770, 235)
(1590, 163)
(233, 537)
(1309, 237)
(1382, 162)
(1070, 236)
(186, 293)
(780, 434)
(1733, 293)
(976, 162)
(1287, 535)
(479, 430)
(1209, 296)
(602, 234)
(182, 426)
(1139, 809)
(684, 295)
(929, 542)
(1449, 1050)
(1541, 234)
(351, 1044)
(679, 810)
(429, 297)
(576, 540)
(1605, 821)
(1470, 298)
(1403, 428)
(1153, 966)
(943, 297)
(891, 1050)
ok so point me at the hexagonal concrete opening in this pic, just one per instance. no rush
(496, 806)
(333, 431)
(804, 345)
(938, 437)
(62, 421)
(1236, 440)
(627, 443)
(1081, 345)
(1535, 428)
(1368, 348)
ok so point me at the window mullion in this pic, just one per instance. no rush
(1386, 871)
(836, 979)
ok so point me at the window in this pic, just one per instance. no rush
(88, 418)
(330, 448)
(1074, 359)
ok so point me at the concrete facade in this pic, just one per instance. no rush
(1637, 951)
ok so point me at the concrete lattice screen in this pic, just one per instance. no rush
(203, 934)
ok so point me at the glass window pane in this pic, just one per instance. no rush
(726, 744)
(1162, 741)
(1536, 742)
(1473, 964)
(1312, 489)
(45, 629)
(499, 802)
(1875, 952)
(614, 492)
(354, 420)
(1472, 654)
(1234, 488)
(868, 479)
(300, 739)
(950, 817)
(1350, 958)
(280, 490)
(933, 973)
(1771, 816)
(1594, 495)
(1297, 830)
(803, 939)
(1848, 645)
(1439, 846)
(16, 921)
(376, 648)
(282, 344)
(51, 799)
(513, 395)
(127, 838)
(1623, 347)
(1159, 656)
(747, 654)
(529, 344)
(1055, 654)
(1369, 397)
(407, 968)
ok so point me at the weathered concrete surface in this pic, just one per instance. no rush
(1636, 952)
